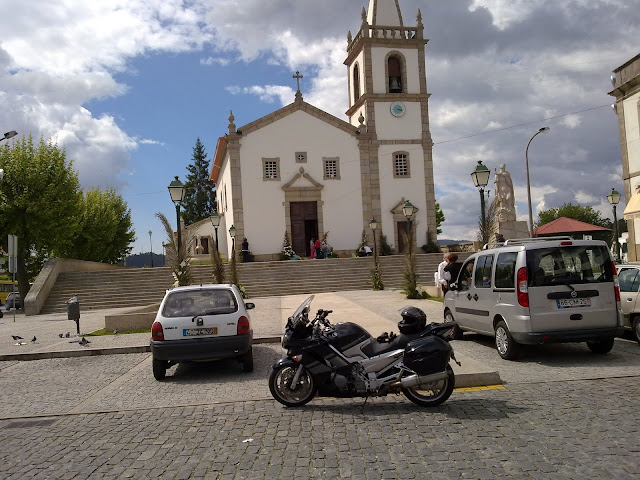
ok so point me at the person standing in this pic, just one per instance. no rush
(318, 245)
(453, 268)
(442, 277)
(312, 248)
(245, 251)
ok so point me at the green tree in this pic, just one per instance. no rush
(106, 230)
(200, 195)
(576, 212)
(40, 202)
(439, 218)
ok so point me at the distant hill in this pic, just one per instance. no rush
(446, 241)
(144, 260)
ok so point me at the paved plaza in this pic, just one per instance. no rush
(561, 412)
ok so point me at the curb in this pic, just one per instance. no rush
(90, 352)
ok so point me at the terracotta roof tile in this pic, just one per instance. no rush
(567, 225)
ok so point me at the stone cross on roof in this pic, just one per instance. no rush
(297, 76)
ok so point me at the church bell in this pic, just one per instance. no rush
(394, 84)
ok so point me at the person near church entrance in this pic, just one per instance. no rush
(442, 277)
(318, 246)
(245, 251)
(325, 250)
(367, 251)
(312, 248)
(453, 268)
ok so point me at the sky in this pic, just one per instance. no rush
(126, 87)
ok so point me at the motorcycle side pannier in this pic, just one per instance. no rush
(427, 355)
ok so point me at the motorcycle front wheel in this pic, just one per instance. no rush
(280, 385)
(434, 393)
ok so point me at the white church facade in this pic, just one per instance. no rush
(305, 172)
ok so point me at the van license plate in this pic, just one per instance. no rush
(194, 332)
(573, 302)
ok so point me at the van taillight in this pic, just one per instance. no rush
(616, 282)
(156, 331)
(523, 289)
(243, 326)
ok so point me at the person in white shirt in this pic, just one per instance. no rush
(442, 277)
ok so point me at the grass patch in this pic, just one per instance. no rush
(102, 331)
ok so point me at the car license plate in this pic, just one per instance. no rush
(194, 332)
(573, 302)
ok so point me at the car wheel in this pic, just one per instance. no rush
(602, 346)
(456, 334)
(247, 361)
(636, 329)
(505, 344)
(159, 369)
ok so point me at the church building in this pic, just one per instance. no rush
(306, 173)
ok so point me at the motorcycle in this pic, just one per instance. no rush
(345, 361)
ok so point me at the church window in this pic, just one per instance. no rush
(331, 168)
(301, 157)
(401, 165)
(271, 168)
(356, 83)
(394, 70)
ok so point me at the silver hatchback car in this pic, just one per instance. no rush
(538, 290)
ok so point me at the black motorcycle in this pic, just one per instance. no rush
(344, 360)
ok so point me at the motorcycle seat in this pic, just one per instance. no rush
(398, 343)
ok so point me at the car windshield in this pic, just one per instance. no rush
(568, 265)
(187, 303)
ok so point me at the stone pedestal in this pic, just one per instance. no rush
(514, 229)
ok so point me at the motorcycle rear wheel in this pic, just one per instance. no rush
(280, 386)
(434, 393)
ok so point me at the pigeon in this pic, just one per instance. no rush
(34, 339)
(84, 341)
(115, 332)
(61, 335)
(67, 334)
(17, 337)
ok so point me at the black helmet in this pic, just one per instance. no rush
(413, 320)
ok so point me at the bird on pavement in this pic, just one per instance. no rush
(67, 334)
(84, 341)
(34, 339)
(115, 332)
(61, 335)
(17, 337)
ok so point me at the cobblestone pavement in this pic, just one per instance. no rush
(563, 413)
(560, 430)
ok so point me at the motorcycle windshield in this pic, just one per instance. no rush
(303, 306)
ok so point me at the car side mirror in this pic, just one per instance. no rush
(249, 305)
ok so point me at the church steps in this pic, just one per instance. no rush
(144, 286)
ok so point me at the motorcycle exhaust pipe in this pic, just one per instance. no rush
(415, 380)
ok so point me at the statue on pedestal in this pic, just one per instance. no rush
(504, 196)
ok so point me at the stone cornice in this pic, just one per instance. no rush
(387, 97)
(296, 107)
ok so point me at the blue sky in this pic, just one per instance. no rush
(126, 87)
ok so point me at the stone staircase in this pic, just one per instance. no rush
(144, 286)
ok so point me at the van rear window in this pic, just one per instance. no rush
(568, 265)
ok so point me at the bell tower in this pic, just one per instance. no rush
(388, 101)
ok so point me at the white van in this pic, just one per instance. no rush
(538, 290)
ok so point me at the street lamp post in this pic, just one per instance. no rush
(614, 199)
(234, 272)
(151, 243)
(526, 156)
(215, 221)
(9, 135)
(408, 210)
(480, 178)
(373, 225)
(177, 190)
